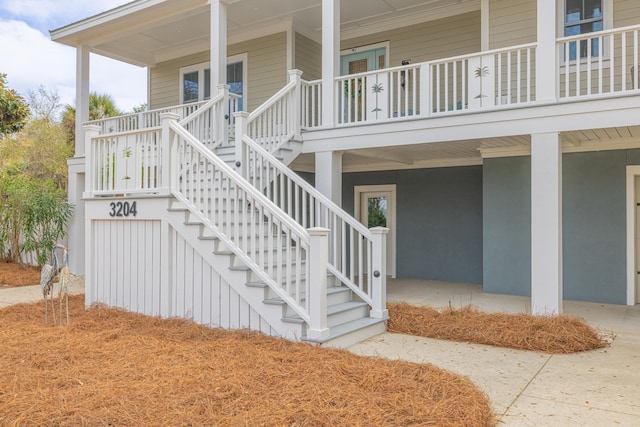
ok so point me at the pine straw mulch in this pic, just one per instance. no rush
(550, 334)
(110, 367)
(13, 275)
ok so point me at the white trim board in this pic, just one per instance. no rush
(632, 172)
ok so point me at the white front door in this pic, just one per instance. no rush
(375, 206)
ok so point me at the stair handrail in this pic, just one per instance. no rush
(207, 124)
(277, 120)
(285, 279)
(266, 173)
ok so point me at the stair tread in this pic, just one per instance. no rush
(347, 328)
(332, 309)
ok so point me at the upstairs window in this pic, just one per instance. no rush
(195, 80)
(581, 17)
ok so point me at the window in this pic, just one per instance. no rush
(581, 17)
(195, 80)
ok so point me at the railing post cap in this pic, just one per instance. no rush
(169, 116)
(223, 86)
(241, 114)
(295, 72)
(92, 128)
(379, 230)
(318, 231)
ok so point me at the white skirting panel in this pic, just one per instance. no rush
(126, 264)
(198, 292)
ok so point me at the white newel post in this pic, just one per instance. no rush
(296, 107)
(330, 59)
(223, 115)
(242, 125)
(165, 171)
(318, 258)
(379, 269)
(546, 224)
(90, 132)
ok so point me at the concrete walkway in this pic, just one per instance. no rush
(597, 388)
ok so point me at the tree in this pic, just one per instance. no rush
(14, 112)
(100, 106)
(44, 104)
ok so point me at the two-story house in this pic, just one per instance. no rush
(294, 154)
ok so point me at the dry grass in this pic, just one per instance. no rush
(115, 368)
(550, 334)
(13, 275)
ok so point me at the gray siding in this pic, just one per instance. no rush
(308, 57)
(442, 38)
(594, 226)
(507, 225)
(593, 217)
(439, 220)
(266, 74)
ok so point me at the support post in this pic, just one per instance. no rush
(296, 107)
(82, 97)
(75, 229)
(330, 59)
(329, 175)
(242, 122)
(546, 51)
(546, 224)
(318, 257)
(379, 271)
(165, 171)
(218, 40)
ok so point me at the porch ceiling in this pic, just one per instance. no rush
(145, 32)
(472, 152)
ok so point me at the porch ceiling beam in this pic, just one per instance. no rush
(554, 117)
(383, 156)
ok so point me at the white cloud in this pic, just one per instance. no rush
(30, 59)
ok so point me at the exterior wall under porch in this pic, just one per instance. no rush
(136, 260)
(473, 223)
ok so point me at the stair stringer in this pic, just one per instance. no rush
(237, 280)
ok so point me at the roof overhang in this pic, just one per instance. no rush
(145, 32)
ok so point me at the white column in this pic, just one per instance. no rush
(546, 224)
(82, 96)
(318, 255)
(218, 45)
(484, 25)
(330, 58)
(329, 175)
(242, 121)
(546, 57)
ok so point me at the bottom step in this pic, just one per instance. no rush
(350, 333)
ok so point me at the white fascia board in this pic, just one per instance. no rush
(552, 117)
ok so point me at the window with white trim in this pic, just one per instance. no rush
(195, 80)
(581, 17)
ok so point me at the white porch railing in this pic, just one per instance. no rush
(467, 82)
(603, 62)
(124, 163)
(212, 123)
(311, 103)
(276, 248)
(278, 120)
(355, 254)
(144, 119)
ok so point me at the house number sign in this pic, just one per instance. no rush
(123, 209)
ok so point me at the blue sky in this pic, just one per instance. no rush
(30, 58)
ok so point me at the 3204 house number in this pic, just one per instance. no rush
(122, 209)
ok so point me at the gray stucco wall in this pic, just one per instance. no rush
(506, 191)
(439, 220)
(594, 225)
